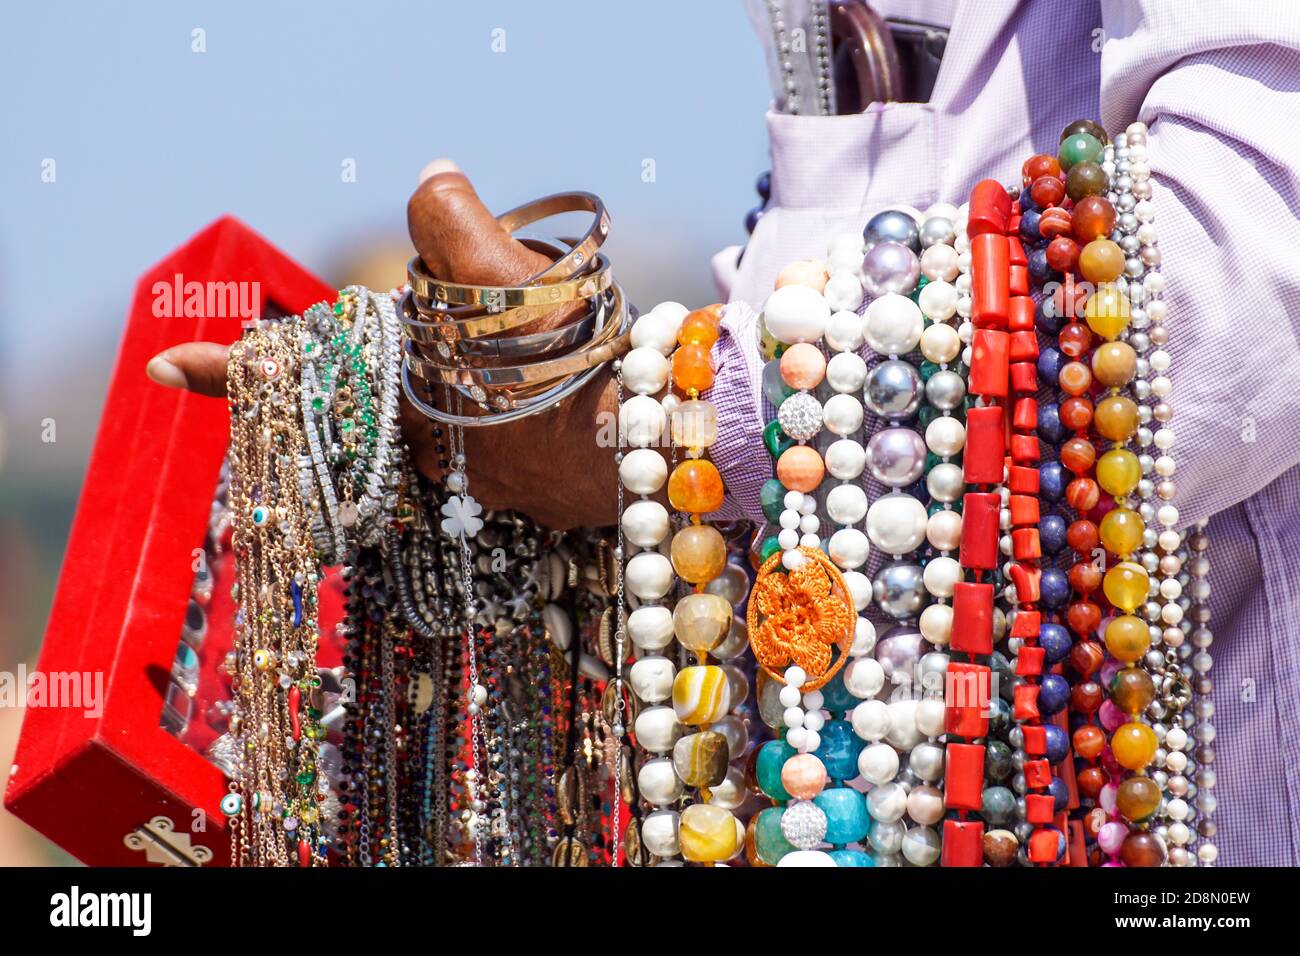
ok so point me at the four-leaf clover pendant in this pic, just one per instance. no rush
(461, 516)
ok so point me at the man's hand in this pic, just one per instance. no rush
(549, 465)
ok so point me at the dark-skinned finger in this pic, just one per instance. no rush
(199, 367)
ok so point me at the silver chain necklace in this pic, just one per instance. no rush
(821, 65)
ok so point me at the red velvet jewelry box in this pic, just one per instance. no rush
(99, 774)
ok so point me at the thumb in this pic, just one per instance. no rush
(199, 367)
(458, 239)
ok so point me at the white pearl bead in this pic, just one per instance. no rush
(846, 503)
(864, 677)
(652, 678)
(658, 782)
(813, 700)
(940, 343)
(793, 560)
(870, 720)
(936, 624)
(645, 523)
(842, 414)
(844, 333)
(843, 292)
(938, 300)
(790, 696)
(643, 471)
(939, 263)
(650, 627)
(807, 858)
(649, 575)
(945, 436)
(926, 761)
(844, 260)
(930, 717)
(645, 370)
(846, 372)
(793, 716)
(796, 737)
(945, 482)
(942, 210)
(796, 313)
(655, 332)
(657, 728)
(789, 519)
(642, 421)
(810, 541)
(808, 505)
(795, 676)
(893, 324)
(788, 538)
(793, 500)
(902, 723)
(877, 763)
(864, 637)
(896, 523)
(848, 548)
(809, 524)
(941, 576)
(845, 459)
(859, 586)
(943, 530)
(813, 720)
(659, 832)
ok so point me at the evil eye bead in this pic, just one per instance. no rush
(261, 515)
(232, 804)
(270, 368)
(262, 659)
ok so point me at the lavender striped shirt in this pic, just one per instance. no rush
(1218, 84)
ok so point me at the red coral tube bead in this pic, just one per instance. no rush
(990, 275)
(990, 208)
(979, 531)
(985, 445)
(963, 777)
(963, 843)
(1020, 318)
(972, 618)
(989, 363)
(966, 700)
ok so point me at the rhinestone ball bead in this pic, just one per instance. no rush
(803, 824)
(800, 416)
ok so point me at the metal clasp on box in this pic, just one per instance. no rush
(163, 845)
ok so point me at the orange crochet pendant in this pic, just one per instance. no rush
(796, 617)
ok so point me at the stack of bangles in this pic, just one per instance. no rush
(467, 338)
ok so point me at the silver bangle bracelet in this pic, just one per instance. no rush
(532, 406)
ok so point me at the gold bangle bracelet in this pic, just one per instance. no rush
(572, 263)
(471, 351)
(610, 343)
(497, 299)
(436, 325)
(577, 258)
